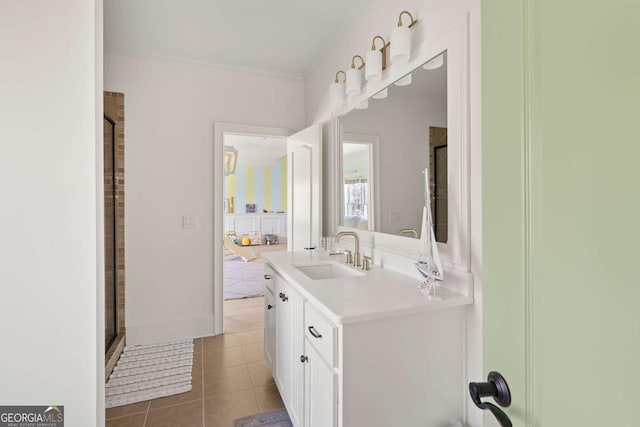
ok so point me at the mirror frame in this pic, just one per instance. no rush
(455, 253)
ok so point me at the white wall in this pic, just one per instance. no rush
(51, 323)
(170, 110)
(379, 17)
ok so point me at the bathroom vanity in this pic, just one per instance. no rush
(351, 348)
(348, 347)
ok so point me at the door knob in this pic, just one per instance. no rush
(303, 358)
(269, 307)
(497, 388)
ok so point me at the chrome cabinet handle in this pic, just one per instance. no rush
(313, 332)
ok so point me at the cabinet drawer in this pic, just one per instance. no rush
(269, 279)
(321, 333)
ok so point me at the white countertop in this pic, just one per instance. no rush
(377, 294)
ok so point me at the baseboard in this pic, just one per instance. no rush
(173, 330)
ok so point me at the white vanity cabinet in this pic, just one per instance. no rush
(269, 327)
(320, 359)
(380, 369)
(284, 341)
(320, 391)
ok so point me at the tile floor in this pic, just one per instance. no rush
(243, 314)
(230, 381)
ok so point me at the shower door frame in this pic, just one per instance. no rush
(114, 284)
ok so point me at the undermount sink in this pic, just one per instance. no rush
(327, 270)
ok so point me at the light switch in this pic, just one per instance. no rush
(190, 221)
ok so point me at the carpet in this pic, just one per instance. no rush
(246, 279)
(278, 418)
(148, 372)
(243, 279)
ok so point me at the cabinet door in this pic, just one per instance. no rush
(296, 398)
(320, 401)
(283, 339)
(269, 330)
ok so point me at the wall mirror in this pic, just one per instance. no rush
(386, 148)
(416, 117)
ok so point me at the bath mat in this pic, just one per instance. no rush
(278, 418)
(148, 372)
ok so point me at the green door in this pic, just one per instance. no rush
(561, 208)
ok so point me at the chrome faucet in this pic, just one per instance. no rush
(356, 252)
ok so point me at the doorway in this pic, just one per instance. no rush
(250, 218)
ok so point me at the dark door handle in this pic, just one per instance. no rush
(267, 277)
(303, 358)
(310, 248)
(269, 307)
(283, 297)
(313, 332)
(496, 387)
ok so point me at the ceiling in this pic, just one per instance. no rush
(257, 150)
(277, 36)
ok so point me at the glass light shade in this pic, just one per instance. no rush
(230, 160)
(354, 81)
(337, 93)
(435, 63)
(400, 45)
(373, 67)
(363, 106)
(405, 81)
(382, 94)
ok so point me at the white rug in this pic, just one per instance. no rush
(246, 279)
(150, 371)
(243, 279)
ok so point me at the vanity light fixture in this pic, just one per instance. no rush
(382, 94)
(405, 81)
(435, 63)
(337, 89)
(354, 78)
(376, 60)
(401, 40)
(363, 106)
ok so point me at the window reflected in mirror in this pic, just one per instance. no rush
(358, 184)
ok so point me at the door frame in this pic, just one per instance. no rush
(220, 130)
